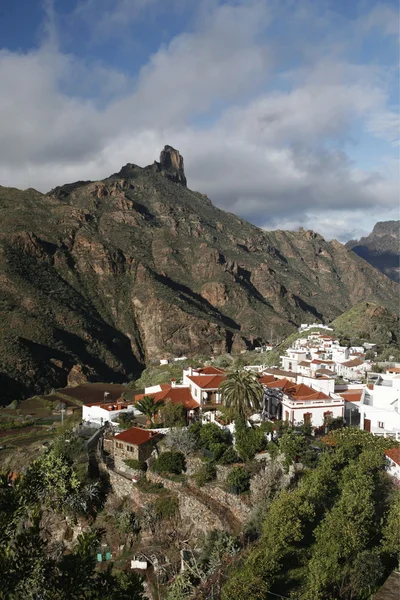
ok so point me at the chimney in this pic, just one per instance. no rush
(173, 383)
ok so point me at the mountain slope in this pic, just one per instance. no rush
(368, 320)
(381, 248)
(99, 278)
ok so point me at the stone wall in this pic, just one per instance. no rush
(238, 508)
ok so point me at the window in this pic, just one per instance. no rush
(307, 418)
(119, 445)
(286, 415)
(290, 366)
(196, 392)
(381, 425)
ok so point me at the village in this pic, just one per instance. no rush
(319, 384)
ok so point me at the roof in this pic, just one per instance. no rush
(394, 370)
(298, 391)
(304, 363)
(110, 406)
(394, 454)
(266, 379)
(136, 436)
(352, 395)
(211, 371)
(177, 395)
(209, 382)
(324, 372)
(353, 363)
(279, 372)
(318, 361)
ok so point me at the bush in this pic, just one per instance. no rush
(217, 450)
(212, 434)
(248, 440)
(165, 507)
(169, 462)
(229, 457)
(173, 415)
(207, 473)
(238, 480)
(132, 463)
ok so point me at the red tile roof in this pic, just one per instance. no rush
(209, 382)
(352, 395)
(177, 395)
(299, 391)
(353, 363)
(136, 436)
(318, 361)
(266, 379)
(394, 370)
(211, 371)
(394, 454)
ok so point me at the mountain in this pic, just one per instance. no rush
(369, 321)
(98, 279)
(381, 248)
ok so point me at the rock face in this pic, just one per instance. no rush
(381, 248)
(171, 165)
(99, 278)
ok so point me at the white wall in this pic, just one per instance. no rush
(320, 385)
(99, 415)
(317, 410)
(393, 468)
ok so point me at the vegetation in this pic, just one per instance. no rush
(206, 473)
(182, 440)
(242, 392)
(148, 407)
(137, 465)
(248, 440)
(369, 322)
(169, 462)
(238, 480)
(333, 536)
(173, 415)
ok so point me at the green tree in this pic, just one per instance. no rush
(243, 392)
(173, 415)
(148, 407)
(248, 440)
(239, 480)
(169, 462)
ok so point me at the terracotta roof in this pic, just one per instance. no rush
(304, 363)
(394, 454)
(177, 395)
(211, 371)
(209, 382)
(136, 436)
(352, 395)
(266, 379)
(299, 391)
(394, 370)
(353, 363)
(318, 361)
(110, 406)
(279, 372)
(324, 372)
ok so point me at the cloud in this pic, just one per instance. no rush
(266, 142)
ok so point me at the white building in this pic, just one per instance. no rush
(290, 361)
(100, 413)
(355, 368)
(379, 407)
(340, 354)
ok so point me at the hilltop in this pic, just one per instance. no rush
(381, 248)
(99, 279)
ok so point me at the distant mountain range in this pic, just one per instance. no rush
(98, 279)
(381, 248)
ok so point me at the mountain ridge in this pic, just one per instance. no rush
(97, 279)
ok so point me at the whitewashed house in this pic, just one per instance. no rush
(291, 359)
(100, 413)
(354, 368)
(340, 354)
(379, 407)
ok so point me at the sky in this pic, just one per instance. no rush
(286, 111)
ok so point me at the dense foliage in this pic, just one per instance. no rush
(242, 392)
(169, 462)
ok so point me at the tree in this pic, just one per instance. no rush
(243, 392)
(148, 407)
(248, 440)
(182, 440)
(173, 415)
(169, 462)
(126, 420)
(239, 480)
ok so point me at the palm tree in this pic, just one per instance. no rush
(148, 407)
(242, 392)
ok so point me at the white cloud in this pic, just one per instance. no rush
(272, 152)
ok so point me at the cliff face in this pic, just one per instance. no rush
(99, 278)
(381, 248)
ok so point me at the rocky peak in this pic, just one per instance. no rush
(171, 165)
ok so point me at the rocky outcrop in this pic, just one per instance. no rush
(171, 165)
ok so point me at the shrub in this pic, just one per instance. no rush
(165, 507)
(207, 473)
(217, 450)
(238, 480)
(170, 462)
(229, 457)
(173, 415)
(212, 434)
(248, 440)
(132, 463)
